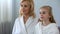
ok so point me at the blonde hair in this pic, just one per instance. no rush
(51, 19)
(31, 12)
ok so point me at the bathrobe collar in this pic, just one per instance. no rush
(28, 23)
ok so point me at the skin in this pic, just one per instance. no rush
(25, 9)
(44, 16)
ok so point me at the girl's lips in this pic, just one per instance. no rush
(41, 17)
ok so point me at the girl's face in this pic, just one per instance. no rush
(25, 7)
(44, 14)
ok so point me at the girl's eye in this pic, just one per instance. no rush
(40, 12)
(44, 12)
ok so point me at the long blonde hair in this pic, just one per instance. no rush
(51, 19)
(31, 12)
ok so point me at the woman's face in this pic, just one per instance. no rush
(44, 14)
(25, 7)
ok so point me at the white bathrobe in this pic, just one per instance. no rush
(21, 28)
(49, 29)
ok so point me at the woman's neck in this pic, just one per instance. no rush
(46, 22)
(25, 18)
(26, 15)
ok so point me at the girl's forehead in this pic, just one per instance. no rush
(44, 10)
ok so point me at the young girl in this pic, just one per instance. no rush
(46, 24)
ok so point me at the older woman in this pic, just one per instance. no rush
(25, 23)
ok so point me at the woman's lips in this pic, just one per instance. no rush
(23, 10)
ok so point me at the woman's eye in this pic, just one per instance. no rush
(21, 5)
(25, 5)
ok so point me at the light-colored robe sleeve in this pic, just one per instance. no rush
(16, 27)
(38, 29)
(53, 30)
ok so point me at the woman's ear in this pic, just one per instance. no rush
(49, 16)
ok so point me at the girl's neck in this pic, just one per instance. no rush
(46, 22)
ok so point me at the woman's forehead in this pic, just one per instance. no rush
(25, 3)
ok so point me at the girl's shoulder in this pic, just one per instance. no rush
(53, 27)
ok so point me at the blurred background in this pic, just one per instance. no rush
(9, 11)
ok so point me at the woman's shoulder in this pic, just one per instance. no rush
(17, 19)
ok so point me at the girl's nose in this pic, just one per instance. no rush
(41, 14)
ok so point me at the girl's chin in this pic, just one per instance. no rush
(41, 19)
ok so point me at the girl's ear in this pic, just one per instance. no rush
(49, 16)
